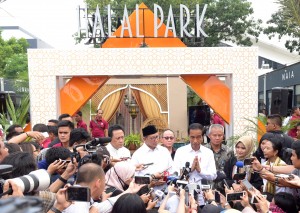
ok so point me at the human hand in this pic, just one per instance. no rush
(268, 176)
(194, 164)
(157, 182)
(198, 168)
(209, 195)
(193, 202)
(145, 198)
(105, 196)
(55, 166)
(16, 190)
(151, 204)
(139, 167)
(256, 165)
(231, 190)
(134, 188)
(61, 202)
(182, 193)
(171, 188)
(262, 203)
(245, 200)
(237, 187)
(293, 180)
(36, 135)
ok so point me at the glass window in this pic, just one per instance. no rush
(297, 90)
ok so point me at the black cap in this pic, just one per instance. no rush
(149, 130)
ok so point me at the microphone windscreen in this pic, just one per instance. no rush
(187, 164)
(175, 174)
(240, 164)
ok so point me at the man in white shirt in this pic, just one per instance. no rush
(151, 153)
(199, 157)
(116, 147)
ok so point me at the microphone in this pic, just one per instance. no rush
(97, 141)
(185, 171)
(239, 164)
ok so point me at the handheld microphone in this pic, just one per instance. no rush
(185, 171)
(239, 164)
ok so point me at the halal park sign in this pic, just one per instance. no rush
(97, 27)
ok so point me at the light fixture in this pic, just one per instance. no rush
(133, 108)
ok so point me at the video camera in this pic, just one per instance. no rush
(90, 147)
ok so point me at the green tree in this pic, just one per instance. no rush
(286, 22)
(225, 20)
(13, 61)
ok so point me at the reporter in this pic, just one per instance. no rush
(129, 203)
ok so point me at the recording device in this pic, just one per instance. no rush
(159, 195)
(254, 199)
(78, 193)
(187, 198)
(172, 179)
(99, 141)
(182, 184)
(234, 196)
(142, 180)
(248, 161)
(239, 176)
(247, 184)
(239, 165)
(185, 171)
(217, 197)
(150, 191)
(110, 189)
(37, 180)
(226, 184)
(28, 204)
(284, 176)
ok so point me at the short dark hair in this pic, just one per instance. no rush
(276, 118)
(78, 135)
(65, 123)
(114, 128)
(26, 147)
(98, 110)
(87, 173)
(195, 126)
(11, 135)
(53, 121)
(136, 204)
(296, 148)
(276, 141)
(78, 113)
(11, 128)
(40, 128)
(294, 109)
(12, 147)
(53, 129)
(22, 162)
(286, 202)
(56, 153)
(65, 115)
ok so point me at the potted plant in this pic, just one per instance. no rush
(133, 141)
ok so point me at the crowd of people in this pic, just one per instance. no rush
(90, 170)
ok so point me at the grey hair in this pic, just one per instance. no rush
(217, 126)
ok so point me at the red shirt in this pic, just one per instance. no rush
(216, 119)
(82, 124)
(98, 128)
(46, 143)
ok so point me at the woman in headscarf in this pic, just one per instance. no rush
(243, 149)
(119, 177)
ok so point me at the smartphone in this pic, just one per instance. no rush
(226, 184)
(187, 198)
(247, 184)
(234, 196)
(110, 189)
(217, 197)
(254, 200)
(248, 161)
(125, 158)
(283, 176)
(79, 193)
(239, 176)
(142, 180)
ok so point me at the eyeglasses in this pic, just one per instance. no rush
(169, 138)
(153, 138)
